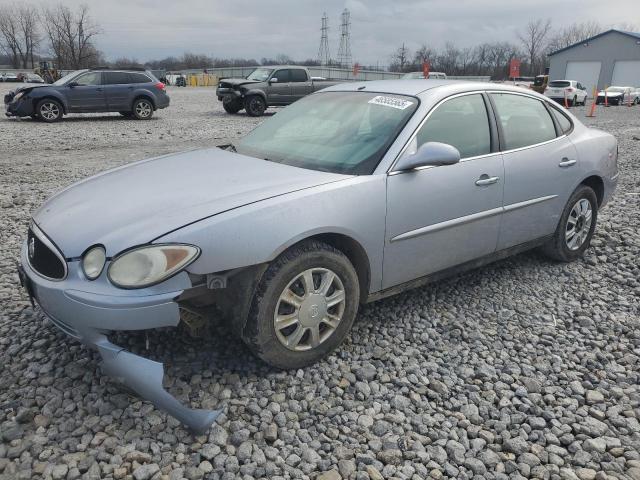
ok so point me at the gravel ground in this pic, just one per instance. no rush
(525, 368)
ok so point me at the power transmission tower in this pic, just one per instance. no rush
(344, 53)
(323, 52)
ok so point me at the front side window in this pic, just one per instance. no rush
(89, 79)
(339, 132)
(298, 75)
(462, 122)
(525, 120)
(116, 78)
(282, 76)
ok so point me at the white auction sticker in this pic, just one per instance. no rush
(392, 102)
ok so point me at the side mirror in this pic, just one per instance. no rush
(430, 154)
(274, 80)
(72, 84)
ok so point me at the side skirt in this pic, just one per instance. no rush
(457, 269)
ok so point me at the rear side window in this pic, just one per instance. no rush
(525, 121)
(462, 122)
(91, 78)
(282, 76)
(116, 78)
(560, 84)
(139, 78)
(563, 121)
(298, 75)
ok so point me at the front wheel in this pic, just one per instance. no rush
(231, 104)
(576, 226)
(49, 110)
(255, 106)
(303, 307)
(142, 109)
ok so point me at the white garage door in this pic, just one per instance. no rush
(586, 73)
(626, 73)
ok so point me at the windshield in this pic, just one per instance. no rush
(67, 77)
(560, 83)
(339, 132)
(260, 74)
(413, 75)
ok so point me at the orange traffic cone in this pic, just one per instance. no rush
(592, 112)
(566, 103)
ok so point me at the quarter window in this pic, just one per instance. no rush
(91, 78)
(525, 120)
(462, 122)
(563, 121)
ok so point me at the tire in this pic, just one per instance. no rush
(255, 105)
(574, 102)
(285, 277)
(49, 110)
(563, 247)
(126, 114)
(142, 109)
(231, 104)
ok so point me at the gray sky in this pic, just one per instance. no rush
(146, 29)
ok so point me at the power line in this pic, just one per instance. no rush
(324, 57)
(344, 52)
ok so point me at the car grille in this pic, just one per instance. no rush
(44, 257)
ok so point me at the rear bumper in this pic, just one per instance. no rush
(88, 317)
(162, 101)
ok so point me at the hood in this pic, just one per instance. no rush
(137, 203)
(609, 94)
(237, 81)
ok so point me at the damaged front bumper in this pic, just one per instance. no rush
(89, 316)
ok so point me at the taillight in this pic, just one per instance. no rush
(159, 86)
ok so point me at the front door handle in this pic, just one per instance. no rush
(486, 180)
(567, 163)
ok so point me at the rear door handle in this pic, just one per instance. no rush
(486, 180)
(567, 163)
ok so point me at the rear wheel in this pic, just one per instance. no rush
(576, 226)
(142, 109)
(303, 307)
(232, 104)
(49, 110)
(255, 106)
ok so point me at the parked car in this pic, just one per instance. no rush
(349, 195)
(573, 91)
(420, 75)
(133, 93)
(618, 96)
(267, 86)
(540, 83)
(32, 78)
(10, 77)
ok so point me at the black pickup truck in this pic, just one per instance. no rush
(266, 87)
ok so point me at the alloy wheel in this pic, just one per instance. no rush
(578, 224)
(309, 309)
(143, 109)
(49, 111)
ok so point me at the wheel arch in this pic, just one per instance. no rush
(258, 92)
(146, 96)
(50, 96)
(596, 183)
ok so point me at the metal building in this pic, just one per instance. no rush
(609, 58)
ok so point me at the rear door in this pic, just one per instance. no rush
(539, 167)
(117, 88)
(300, 83)
(279, 93)
(86, 94)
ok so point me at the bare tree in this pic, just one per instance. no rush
(425, 54)
(534, 40)
(70, 35)
(400, 59)
(19, 34)
(574, 33)
(448, 59)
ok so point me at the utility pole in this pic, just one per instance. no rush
(344, 52)
(324, 57)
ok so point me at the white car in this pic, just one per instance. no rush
(572, 90)
(419, 75)
(618, 96)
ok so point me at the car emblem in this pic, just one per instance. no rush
(32, 248)
(314, 311)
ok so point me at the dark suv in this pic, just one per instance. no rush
(133, 93)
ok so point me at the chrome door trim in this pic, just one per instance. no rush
(454, 222)
(515, 206)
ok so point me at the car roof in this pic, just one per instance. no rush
(416, 87)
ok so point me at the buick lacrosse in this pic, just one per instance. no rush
(349, 195)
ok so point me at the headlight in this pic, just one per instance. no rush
(18, 95)
(146, 266)
(93, 262)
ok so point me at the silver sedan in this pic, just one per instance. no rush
(347, 196)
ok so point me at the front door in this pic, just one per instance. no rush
(118, 88)
(438, 217)
(86, 93)
(540, 167)
(280, 91)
